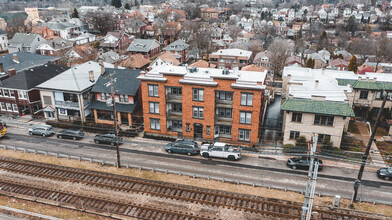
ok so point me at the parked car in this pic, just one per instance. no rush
(302, 163)
(108, 138)
(385, 173)
(71, 134)
(220, 150)
(183, 147)
(43, 130)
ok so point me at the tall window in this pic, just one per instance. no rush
(224, 112)
(2, 106)
(247, 99)
(323, 120)
(153, 90)
(223, 95)
(9, 108)
(154, 107)
(176, 107)
(14, 107)
(5, 92)
(245, 117)
(244, 135)
(223, 129)
(175, 91)
(363, 94)
(12, 93)
(22, 94)
(198, 95)
(155, 124)
(294, 135)
(198, 112)
(297, 117)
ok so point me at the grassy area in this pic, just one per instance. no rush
(381, 131)
(352, 144)
(352, 128)
(385, 149)
(245, 189)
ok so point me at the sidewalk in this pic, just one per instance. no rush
(374, 152)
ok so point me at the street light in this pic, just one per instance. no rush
(370, 127)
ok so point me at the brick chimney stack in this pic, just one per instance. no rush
(11, 72)
(1, 68)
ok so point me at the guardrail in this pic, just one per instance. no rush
(180, 173)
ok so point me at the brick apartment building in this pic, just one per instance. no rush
(205, 103)
(230, 58)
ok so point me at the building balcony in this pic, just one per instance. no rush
(69, 104)
(223, 120)
(174, 115)
(174, 98)
(174, 129)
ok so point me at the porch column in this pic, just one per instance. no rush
(130, 119)
(95, 116)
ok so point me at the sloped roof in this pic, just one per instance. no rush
(142, 45)
(26, 61)
(253, 67)
(126, 82)
(30, 78)
(318, 107)
(135, 61)
(367, 69)
(120, 107)
(168, 57)
(201, 64)
(178, 45)
(24, 39)
(338, 61)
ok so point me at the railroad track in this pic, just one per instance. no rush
(93, 204)
(265, 207)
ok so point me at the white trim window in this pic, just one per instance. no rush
(244, 135)
(12, 93)
(245, 117)
(154, 107)
(155, 124)
(9, 108)
(15, 107)
(6, 93)
(2, 106)
(22, 94)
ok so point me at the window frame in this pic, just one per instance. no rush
(6, 91)
(245, 133)
(2, 106)
(155, 90)
(199, 95)
(198, 108)
(246, 120)
(294, 135)
(296, 117)
(22, 94)
(361, 96)
(8, 107)
(156, 122)
(227, 112)
(155, 107)
(226, 94)
(324, 120)
(15, 107)
(246, 101)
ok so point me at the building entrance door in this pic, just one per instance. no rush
(198, 131)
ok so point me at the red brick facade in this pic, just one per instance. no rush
(210, 105)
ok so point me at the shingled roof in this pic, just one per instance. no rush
(318, 107)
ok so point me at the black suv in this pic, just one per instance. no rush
(302, 163)
(71, 134)
(107, 139)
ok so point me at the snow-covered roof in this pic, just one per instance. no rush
(233, 52)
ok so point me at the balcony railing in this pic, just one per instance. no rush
(224, 102)
(67, 104)
(173, 97)
(174, 129)
(173, 113)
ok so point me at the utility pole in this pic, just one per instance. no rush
(113, 103)
(357, 182)
(311, 182)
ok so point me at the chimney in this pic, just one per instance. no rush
(116, 66)
(15, 58)
(102, 67)
(91, 76)
(316, 83)
(11, 72)
(53, 45)
(1, 68)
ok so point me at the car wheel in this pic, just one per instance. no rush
(59, 137)
(74, 138)
(293, 167)
(43, 135)
(189, 154)
(30, 133)
(386, 178)
(96, 141)
(169, 151)
(206, 155)
(231, 157)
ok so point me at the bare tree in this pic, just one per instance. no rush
(17, 25)
(362, 47)
(280, 50)
(101, 20)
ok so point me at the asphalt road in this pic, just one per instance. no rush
(332, 180)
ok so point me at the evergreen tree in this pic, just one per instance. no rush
(116, 3)
(127, 6)
(136, 3)
(352, 25)
(352, 66)
(75, 13)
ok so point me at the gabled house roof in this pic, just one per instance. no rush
(135, 61)
(75, 79)
(28, 79)
(26, 61)
(142, 45)
(169, 58)
(338, 62)
(125, 81)
(178, 45)
(25, 40)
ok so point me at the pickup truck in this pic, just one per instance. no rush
(220, 150)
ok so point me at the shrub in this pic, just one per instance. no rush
(301, 141)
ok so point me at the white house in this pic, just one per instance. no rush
(25, 43)
(3, 41)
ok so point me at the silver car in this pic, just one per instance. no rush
(43, 130)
